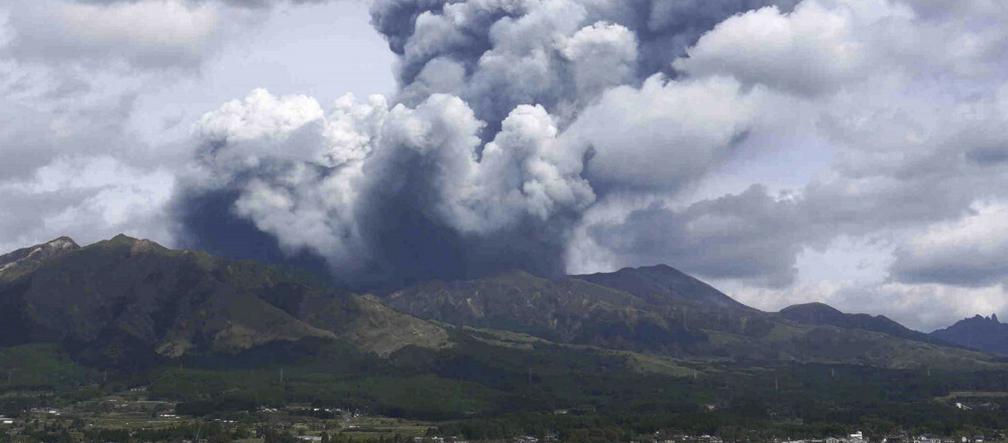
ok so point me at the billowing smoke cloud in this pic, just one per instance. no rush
(512, 119)
(556, 135)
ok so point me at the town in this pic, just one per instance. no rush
(131, 416)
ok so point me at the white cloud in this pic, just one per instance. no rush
(924, 307)
(664, 134)
(603, 55)
(143, 34)
(88, 83)
(810, 50)
(88, 198)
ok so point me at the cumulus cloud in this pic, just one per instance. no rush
(589, 128)
(663, 134)
(906, 132)
(602, 55)
(810, 50)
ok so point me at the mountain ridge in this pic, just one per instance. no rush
(817, 313)
(132, 300)
(986, 334)
(656, 317)
(25, 260)
(657, 282)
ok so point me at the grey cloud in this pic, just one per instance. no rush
(252, 4)
(374, 189)
(971, 252)
(140, 35)
(516, 118)
(88, 198)
(750, 236)
(664, 135)
(510, 55)
(28, 141)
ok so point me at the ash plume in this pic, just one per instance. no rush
(510, 122)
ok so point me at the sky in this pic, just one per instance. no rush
(853, 152)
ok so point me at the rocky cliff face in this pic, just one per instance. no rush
(26, 260)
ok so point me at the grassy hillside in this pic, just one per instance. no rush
(659, 310)
(129, 302)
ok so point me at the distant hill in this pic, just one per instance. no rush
(662, 310)
(126, 301)
(823, 314)
(986, 334)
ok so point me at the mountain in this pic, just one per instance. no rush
(126, 301)
(131, 302)
(26, 260)
(663, 311)
(494, 357)
(823, 314)
(565, 310)
(663, 284)
(986, 334)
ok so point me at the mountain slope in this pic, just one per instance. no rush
(654, 310)
(132, 302)
(986, 334)
(663, 284)
(565, 310)
(127, 302)
(26, 260)
(823, 314)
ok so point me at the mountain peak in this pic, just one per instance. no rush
(24, 260)
(123, 238)
(813, 306)
(814, 313)
(660, 268)
(136, 245)
(62, 242)
(660, 283)
(978, 332)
